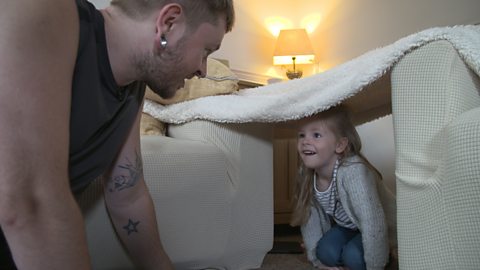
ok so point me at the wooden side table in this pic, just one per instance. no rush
(285, 171)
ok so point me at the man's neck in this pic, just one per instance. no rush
(123, 38)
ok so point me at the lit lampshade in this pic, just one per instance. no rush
(293, 47)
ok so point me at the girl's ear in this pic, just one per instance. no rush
(342, 143)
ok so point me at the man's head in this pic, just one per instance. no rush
(185, 33)
(196, 11)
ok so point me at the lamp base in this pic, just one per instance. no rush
(294, 74)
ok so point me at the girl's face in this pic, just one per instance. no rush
(318, 146)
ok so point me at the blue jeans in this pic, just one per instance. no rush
(341, 247)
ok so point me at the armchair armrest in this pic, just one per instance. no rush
(248, 152)
(435, 103)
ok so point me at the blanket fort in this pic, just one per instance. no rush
(361, 83)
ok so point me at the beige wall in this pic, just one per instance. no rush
(348, 28)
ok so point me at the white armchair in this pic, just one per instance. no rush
(212, 189)
(436, 114)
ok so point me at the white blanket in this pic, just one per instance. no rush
(358, 83)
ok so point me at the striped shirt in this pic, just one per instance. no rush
(330, 203)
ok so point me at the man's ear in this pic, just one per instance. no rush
(342, 143)
(167, 18)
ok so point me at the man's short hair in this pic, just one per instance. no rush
(196, 11)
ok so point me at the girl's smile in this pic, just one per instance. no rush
(318, 147)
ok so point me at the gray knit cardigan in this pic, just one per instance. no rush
(357, 191)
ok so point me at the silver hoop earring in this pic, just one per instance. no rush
(163, 41)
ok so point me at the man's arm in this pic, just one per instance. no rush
(38, 214)
(131, 208)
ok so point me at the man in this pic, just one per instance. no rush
(72, 81)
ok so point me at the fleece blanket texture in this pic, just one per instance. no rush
(295, 99)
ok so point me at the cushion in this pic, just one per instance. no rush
(219, 80)
(151, 126)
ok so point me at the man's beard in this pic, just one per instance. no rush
(162, 71)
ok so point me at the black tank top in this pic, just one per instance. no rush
(102, 113)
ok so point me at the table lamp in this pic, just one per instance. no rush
(293, 47)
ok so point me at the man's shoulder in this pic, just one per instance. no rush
(86, 10)
(49, 26)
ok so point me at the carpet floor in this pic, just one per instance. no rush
(286, 253)
(295, 262)
(286, 262)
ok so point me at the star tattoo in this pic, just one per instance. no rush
(131, 227)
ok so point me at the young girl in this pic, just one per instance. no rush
(337, 205)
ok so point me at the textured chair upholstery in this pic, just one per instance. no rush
(212, 189)
(436, 114)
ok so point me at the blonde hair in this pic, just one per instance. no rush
(196, 11)
(338, 121)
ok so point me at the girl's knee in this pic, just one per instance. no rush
(352, 257)
(327, 255)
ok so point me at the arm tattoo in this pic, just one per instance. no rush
(133, 172)
(131, 227)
